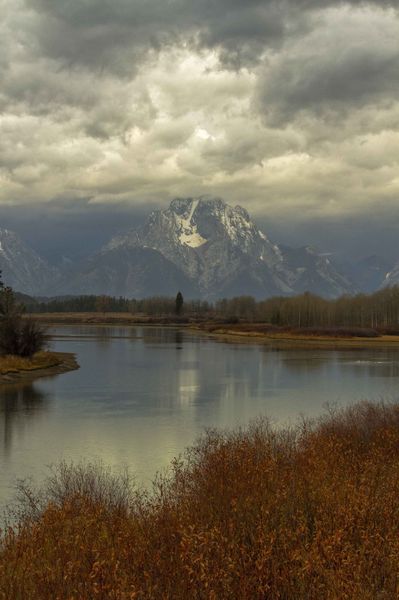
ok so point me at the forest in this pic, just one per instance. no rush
(376, 311)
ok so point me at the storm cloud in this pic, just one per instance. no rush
(356, 65)
(289, 107)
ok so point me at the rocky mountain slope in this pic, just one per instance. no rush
(134, 272)
(22, 268)
(214, 245)
(308, 270)
(223, 253)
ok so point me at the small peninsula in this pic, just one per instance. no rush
(42, 364)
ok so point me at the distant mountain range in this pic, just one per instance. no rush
(203, 247)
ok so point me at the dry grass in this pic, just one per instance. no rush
(269, 330)
(304, 514)
(41, 360)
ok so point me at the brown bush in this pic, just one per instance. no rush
(310, 513)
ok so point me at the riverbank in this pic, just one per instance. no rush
(43, 364)
(307, 513)
(95, 318)
(239, 332)
(261, 333)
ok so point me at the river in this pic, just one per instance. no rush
(143, 394)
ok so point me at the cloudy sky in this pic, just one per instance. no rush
(109, 108)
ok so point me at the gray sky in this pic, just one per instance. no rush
(109, 108)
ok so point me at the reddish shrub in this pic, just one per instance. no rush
(304, 514)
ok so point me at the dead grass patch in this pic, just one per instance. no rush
(41, 360)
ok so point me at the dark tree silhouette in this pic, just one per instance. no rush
(18, 336)
(179, 303)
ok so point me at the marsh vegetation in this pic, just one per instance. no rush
(308, 512)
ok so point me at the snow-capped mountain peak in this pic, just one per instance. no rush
(221, 249)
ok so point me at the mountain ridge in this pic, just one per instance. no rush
(203, 246)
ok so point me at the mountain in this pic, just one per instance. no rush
(213, 244)
(129, 272)
(308, 270)
(224, 252)
(22, 268)
(370, 273)
(392, 277)
(202, 247)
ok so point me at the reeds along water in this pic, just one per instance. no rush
(308, 513)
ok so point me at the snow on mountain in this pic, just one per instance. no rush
(187, 228)
(223, 251)
(392, 277)
(214, 244)
(22, 268)
(204, 247)
(192, 223)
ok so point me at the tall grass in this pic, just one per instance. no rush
(310, 513)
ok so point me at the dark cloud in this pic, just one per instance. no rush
(288, 107)
(119, 34)
(348, 61)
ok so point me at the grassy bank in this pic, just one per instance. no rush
(324, 336)
(41, 364)
(304, 514)
(41, 360)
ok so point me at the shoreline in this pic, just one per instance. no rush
(226, 334)
(67, 362)
(117, 319)
(237, 333)
(301, 341)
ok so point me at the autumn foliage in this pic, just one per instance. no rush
(310, 513)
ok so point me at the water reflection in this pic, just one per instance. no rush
(143, 394)
(17, 404)
(162, 335)
(380, 362)
(178, 339)
(97, 332)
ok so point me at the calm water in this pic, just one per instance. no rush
(143, 394)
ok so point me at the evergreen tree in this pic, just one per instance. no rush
(179, 303)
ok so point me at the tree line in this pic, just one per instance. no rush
(153, 306)
(378, 310)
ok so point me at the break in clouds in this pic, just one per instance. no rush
(282, 105)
